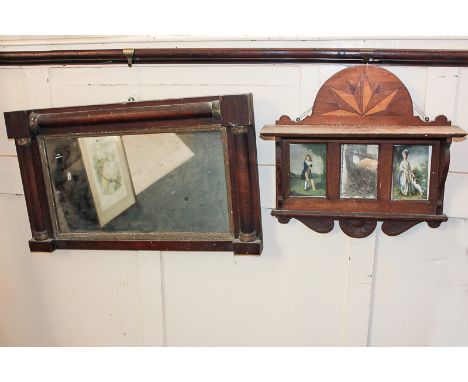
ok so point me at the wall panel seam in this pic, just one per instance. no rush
(372, 297)
(163, 297)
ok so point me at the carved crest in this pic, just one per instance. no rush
(363, 95)
(363, 91)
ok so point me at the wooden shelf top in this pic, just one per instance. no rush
(335, 215)
(343, 131)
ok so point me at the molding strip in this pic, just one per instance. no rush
(421, 57)
(123, 114)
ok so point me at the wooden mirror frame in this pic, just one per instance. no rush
(233, 114)
(362, 105)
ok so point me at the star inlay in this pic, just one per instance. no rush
(360, 99)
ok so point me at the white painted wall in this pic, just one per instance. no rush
(306, 289)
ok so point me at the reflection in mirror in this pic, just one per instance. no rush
(150, 183)
(359, 171)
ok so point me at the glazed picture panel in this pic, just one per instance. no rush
(359, 164)
(411, 172)
(307, 169)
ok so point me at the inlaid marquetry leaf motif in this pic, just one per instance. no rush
(360, 98)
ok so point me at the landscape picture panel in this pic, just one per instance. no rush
(359, 164)
(307, 170)
(411, 172)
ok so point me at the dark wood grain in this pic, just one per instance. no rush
(376, 215)
(380, 131)
(421, 57)
(385, 171)
(166, 245)
(31, 175)
(254, 178)
(444, 161)
(244, 192)
(333, 171)
(397, 227)
(318, 225)
(358, 228)
(279, 173)
(124, 114)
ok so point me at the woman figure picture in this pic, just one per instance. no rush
(307, 173)
(407, 181)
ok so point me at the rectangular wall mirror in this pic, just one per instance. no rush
(174, 174)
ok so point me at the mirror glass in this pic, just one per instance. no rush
(147, 183)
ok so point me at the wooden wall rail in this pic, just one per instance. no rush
(422, 57)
